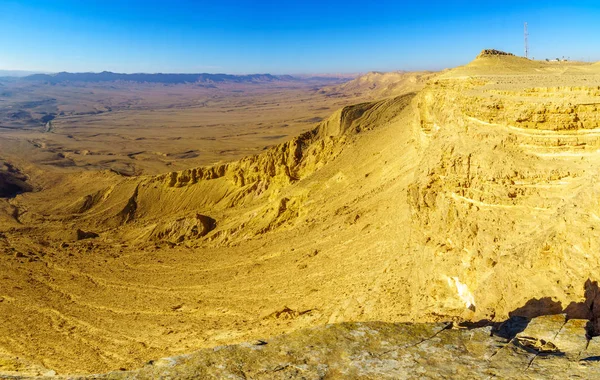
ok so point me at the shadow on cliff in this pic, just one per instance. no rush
(519, 318)
(12, 181)
(588, 309)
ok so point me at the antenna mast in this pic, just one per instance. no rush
(526, 34)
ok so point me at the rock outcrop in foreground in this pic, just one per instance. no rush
(546, 347)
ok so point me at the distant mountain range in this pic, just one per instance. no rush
(17, 73)
(107, 76)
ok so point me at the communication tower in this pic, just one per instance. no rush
(526, 42)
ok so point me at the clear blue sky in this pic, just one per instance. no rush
(285, 36)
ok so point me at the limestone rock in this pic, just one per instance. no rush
(375, 350)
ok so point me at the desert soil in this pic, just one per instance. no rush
(465, 195)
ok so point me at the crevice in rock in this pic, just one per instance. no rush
(446, 327)
(540, 352)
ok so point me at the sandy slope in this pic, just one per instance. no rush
(467, 200)
(377, 85)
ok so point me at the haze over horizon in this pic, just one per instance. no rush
(242, 37)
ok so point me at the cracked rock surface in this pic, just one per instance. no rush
(547, 347)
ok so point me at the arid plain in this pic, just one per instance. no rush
(150, 128)
(99, 134)
(185, 218)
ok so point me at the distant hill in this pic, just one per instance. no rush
(107, 76)
(381, 85)
(496, 62)
(17, 73)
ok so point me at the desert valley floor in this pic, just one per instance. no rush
(146, 221)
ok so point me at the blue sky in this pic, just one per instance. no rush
(285, 37)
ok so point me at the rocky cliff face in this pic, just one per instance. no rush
(504, 197)
(475, 199)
